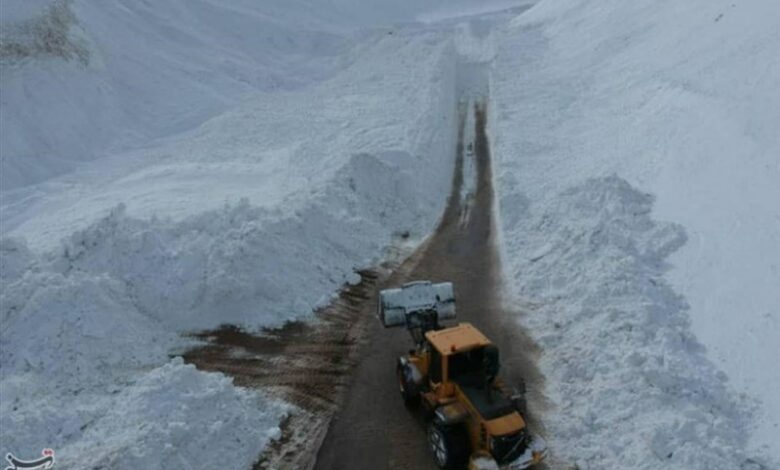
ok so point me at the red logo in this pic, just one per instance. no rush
(45, 462)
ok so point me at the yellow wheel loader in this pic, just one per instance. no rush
(475, 421)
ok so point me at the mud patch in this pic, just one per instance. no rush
(308, 364)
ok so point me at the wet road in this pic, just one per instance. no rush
(373, 429)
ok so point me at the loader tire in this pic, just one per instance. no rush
(410, 393)
(449, 445)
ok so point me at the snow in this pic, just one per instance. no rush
(258, 150)
(595, 106)
(169, 167)
(632, 387)
(218, 203)
(171, 416)
(86, 371)
(156, 70)
(132, 90)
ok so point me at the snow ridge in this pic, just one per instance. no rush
(85, 371)
(680, 99)
(167, 242)
(632, 386)
(95, 319)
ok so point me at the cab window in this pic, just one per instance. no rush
(435, 369)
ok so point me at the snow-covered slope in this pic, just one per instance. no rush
(170, 166)
(594, 105)
(138, 71)
(254, 216)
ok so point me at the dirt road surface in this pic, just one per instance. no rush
(374, 430)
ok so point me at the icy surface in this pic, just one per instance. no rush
(594, 105)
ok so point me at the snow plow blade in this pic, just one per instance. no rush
(396, 304)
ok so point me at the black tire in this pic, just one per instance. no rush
(409, 390)
(449, 446)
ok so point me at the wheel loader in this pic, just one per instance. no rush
(474, 420)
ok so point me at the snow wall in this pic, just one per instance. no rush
(637, 174)
(255, 217)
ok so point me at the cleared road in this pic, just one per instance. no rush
(373, 429)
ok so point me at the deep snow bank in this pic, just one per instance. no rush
(277, 149)
(255, 217)
(681, 100)
(84, 372)
(630, 383)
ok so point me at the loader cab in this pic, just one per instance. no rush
(451, 375)
(463, 369)
(476, 366)
(461, 354)
(463, 362)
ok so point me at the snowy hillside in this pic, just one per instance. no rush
(253, 217)
(138, 71)
(143, 72)
(598, 104)
(173, 166)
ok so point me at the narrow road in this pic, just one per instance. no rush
(373, 429)
(339, 368)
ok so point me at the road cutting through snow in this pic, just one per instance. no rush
(339, 371)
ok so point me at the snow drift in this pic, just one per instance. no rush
(595, 104)
(84, 371)
(174, 166)
(254, 216)
(631, 384)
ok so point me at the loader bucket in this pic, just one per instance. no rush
(395, 305)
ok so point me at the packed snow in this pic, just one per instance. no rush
(595, 105)
(172, 166)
